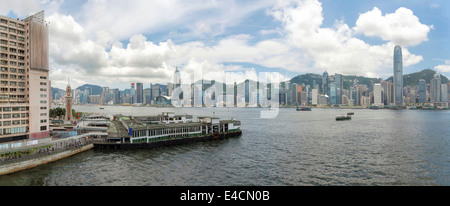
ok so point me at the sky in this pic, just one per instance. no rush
(114, 42)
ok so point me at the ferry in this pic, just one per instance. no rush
(129, 132)
(303, 108)
(343, 117)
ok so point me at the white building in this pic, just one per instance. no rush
(377, 95)
(314, 96)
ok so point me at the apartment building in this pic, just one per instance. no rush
(24, 78)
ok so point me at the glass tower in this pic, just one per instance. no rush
(422, 91)
(332, 93)
(398, 76)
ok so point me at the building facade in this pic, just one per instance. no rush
(25, 86)
(422, 91)
(398, 76)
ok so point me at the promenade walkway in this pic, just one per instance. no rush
(35, 151)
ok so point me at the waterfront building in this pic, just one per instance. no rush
(422, 91)
(168, 126)
(139, 93)
(365, 101)
(147, 96)
(444, 93)
(293, 99)
(412, 96)
(314, 96)
(325, 84)
(377, 93)
(323, 100)
(435, 89)
(304, 98)
(94, 99)
(345, 100)
(25, 86)
(338, 79)
(398, 76)
(156, 91)
(133, 94)
(332, 93)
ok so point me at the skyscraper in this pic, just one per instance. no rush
(139, 92)
(325, 83)
(339, 86)
(25, 90)
(377, 94)
(422, 91)
(435, 88)
(332, 93)
(398, 76)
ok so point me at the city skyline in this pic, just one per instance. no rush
(259, 36)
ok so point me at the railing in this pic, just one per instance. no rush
(21, 154)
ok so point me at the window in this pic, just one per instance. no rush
(43, 128)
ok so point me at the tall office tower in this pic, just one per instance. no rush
(314, 96)
(398, 76)
(412, 96)
(422, 91)
(147, 96)
(24, 82)
(293, 99)
(176, 78)
(325, 84)
(435, 88)
(444, 93)
(339, 86)
(139, 92)
(377, 95)
(132, 94)
(332, 93)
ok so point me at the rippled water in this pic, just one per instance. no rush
(377, 147)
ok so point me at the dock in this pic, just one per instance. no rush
(127, 132)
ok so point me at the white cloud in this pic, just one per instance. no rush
(20, 8)
(336, 49)
(91, 46)
(402, 27)
(443, 67)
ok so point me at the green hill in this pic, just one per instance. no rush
(408, 79)
(426, 74)
(95, 89)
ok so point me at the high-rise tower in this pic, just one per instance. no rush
(25, 86)
(398, 76)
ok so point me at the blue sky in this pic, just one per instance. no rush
(112, 43)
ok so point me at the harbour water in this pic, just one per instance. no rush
(376, 147)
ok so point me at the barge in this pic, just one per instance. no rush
(130, 132)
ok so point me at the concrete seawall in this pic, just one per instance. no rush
(14, 167)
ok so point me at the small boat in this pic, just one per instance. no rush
(350, 113)
(303, 108)
(102, 108)
(343, 117)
